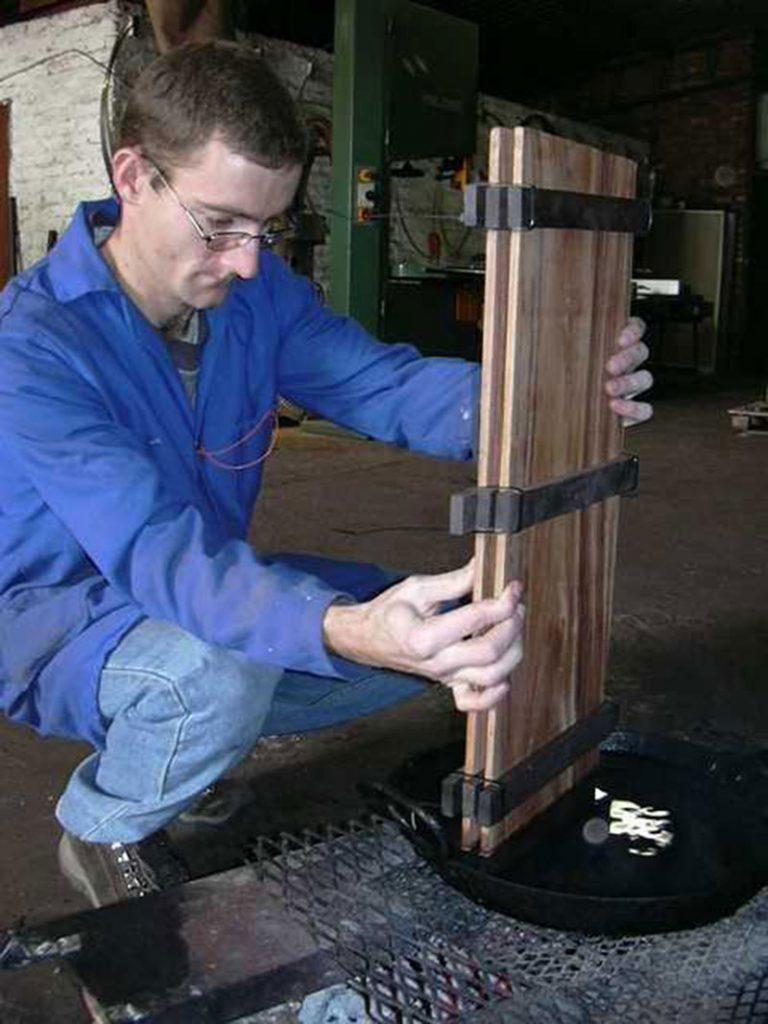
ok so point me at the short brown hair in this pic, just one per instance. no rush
(188, 95)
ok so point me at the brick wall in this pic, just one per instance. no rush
(55, 153)
(696, 111)
(694, 108)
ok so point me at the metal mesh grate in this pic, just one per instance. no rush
(750, 1004)
(423, 953)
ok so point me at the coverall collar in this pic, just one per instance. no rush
(75, 264)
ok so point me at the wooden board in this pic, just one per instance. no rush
(750, 419)
(555, 303)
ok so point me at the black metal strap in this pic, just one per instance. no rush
(458, 794)
(490, 802)
(523, 208)
(512, 509)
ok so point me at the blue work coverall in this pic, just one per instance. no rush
(109, 512)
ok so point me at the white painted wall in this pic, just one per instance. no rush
(55, 152)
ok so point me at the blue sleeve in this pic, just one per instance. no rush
(148, 542)
(331, 366)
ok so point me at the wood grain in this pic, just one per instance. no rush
(555, 303)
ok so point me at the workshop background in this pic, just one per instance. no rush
(680, 88)
(683, 89)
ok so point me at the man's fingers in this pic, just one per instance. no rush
(632, 332)
(481, 651)
(626, 379)
(468, 699)
(631, 412)
(482, 677)
(441, 631)
(428, 591)
(628, 359)
(630, 385)
(480, 688)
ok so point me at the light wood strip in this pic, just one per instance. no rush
(492, 402)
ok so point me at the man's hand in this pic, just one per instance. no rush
(626, 381)
(472, 648)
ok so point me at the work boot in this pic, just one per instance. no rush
(111, 872)
(217, 804)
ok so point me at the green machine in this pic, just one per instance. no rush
(404, 86)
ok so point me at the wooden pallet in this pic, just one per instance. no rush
(750, 419)
(555, 303)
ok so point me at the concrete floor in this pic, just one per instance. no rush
(690, 631)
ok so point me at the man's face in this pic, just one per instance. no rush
(224, 192)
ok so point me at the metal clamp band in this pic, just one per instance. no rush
(523, 208)
(512, 509)
(490, 802)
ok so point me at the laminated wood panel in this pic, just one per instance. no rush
(555, 303)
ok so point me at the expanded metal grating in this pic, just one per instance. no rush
(423, 953)
(750, 1004)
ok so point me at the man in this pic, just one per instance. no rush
(139, 369)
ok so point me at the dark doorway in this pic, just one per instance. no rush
(6, 239)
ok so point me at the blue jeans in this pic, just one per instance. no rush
(181, 713)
